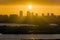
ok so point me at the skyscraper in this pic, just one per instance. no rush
(21, 13)
(28, 13)
(42, 14)
(52, 14)
(48, 14)
(36, 14)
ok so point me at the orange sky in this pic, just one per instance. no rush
(38, 6)
(36, 9)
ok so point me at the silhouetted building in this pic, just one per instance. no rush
(48, 14)
(13, 16)
(28, 13)
(52, 14)
(6, 16)
(21, 13)
(42, 14)
(32, 14)
(36, 14)
(1, 18)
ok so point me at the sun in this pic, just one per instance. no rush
(30, 6)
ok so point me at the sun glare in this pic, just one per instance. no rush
(30, 6)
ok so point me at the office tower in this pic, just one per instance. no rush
(21, 13)
(28, 13)
(42, 14)
(52, 14)
(48, 14)
(36, 14)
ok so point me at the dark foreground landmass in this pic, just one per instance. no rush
(30, 30)
(46, 24)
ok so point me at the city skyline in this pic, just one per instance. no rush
(28, 13)
(36, 6)
(37, 9)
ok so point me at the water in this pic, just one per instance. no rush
(28, 36)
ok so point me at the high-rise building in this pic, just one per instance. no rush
(21, 13)
(36, 14)
(42, 14)
(28, 13)
(52, 14)
(48, 14)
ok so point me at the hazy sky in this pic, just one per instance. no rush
(38, 6)
(45, 2)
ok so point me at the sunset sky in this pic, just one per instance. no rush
(38, 6)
